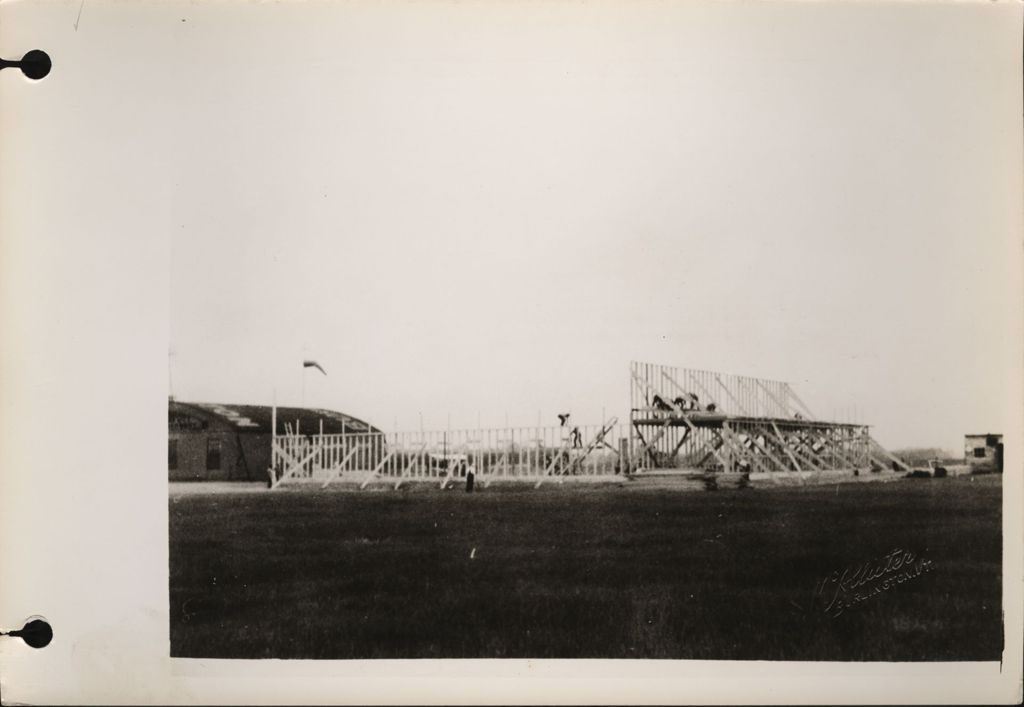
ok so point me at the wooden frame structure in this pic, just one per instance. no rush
(680, 419)
(706, 421)
(520, 454)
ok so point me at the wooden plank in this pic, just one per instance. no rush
(809, 462)
(502, 464)
(667, 420)
(338, 468)
(742, 410)
(683, 391)
(373, 473)
(594, 444)
(679, 414)
(785, 447)
(406, 472)
(782, 406)
(899, 462)
(799, 402)
(809, 452)
(764, 449)
(723, 461)
(291, 472)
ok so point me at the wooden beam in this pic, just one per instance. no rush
(811, 459)
(503, 462)
(714, 450)
(732, 397)
(733, 447)
(296, 467)
(680, 389)
(664, 427)
(376, 469)
(764, 449)
(785, 446)
(770, 394)
(799, 402)
(404, 473)
(340, 466)
(593, 444)
(682, 441)
(899, 462)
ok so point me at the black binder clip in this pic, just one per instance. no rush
(35, 65)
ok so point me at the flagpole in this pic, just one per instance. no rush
(273, 438)
(304, 354)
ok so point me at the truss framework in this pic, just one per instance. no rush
(702, 420)
(527, 454)
(679, 419)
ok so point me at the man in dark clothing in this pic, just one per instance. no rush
(660, 403)
(577, 438)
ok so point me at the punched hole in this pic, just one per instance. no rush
(36, 64)
(36, 632)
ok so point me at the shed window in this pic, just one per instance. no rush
(212, 453)
(172, 454)
(979, 452)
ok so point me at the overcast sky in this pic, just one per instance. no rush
(491, 208)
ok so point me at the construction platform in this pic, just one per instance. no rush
(718, 428)
(707, 421)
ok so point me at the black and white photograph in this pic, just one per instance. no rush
(409, 413)
(544, 333)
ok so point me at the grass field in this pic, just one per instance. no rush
(585, 573)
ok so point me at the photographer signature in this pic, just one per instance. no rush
(844, 589)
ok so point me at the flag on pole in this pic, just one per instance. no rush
(314, 364)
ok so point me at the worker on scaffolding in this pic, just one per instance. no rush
(660, 404)
(576, 437)
(681, 403)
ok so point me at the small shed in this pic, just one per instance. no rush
(225, 442)
(984, 452)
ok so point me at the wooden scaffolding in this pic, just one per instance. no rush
(535, 455)
(714, 422)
